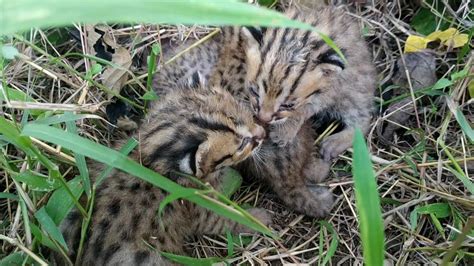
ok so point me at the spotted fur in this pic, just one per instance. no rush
(199, 131)
(289, 75)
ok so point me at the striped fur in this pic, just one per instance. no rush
(195, 130)
(227, 61)
(289, 75)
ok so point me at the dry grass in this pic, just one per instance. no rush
(413, 170)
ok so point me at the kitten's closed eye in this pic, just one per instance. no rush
(253, 90)
(287, 107)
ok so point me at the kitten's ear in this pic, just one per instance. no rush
(331, 63)
(197, 80)
(253, 35)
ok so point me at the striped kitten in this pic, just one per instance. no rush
(291, 171)
(289, 75)
(197, 131)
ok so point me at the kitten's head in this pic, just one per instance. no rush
(286, 68)
(205, 129)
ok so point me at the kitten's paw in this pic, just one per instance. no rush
(264, 216)
(322, 203)
(334, 145)
(317, 171)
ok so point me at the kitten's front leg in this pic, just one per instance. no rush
(284, 133)
(337, 143)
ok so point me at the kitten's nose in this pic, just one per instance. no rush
(259, 133)
(265, 117)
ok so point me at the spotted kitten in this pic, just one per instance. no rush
(289, 75)
(196, 131)
(292, 171)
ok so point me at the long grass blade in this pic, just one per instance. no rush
(368, 203)
(116, 159)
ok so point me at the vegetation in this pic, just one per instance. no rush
(410, 201)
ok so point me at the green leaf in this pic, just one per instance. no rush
(8, 52)
(267, 3)
(150, 95)
(14, 259)
(439, 210)
(50, 227)
(60, 202)
(424, 21)
(437, 224)
(442, 83)
(185, 260)
(116, 159)
(334, 242)
(231, 181)
(41, 237)
(37, 182)
(460, 74)
(368, 203)
(14, 95)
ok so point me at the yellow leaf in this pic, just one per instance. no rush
(450, 37)
(457, 41)
(415, 43)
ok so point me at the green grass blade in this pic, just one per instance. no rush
(186, 193)
(20, 15)
(464, 125)
(61, 202)
(116, 159)
(80, 160)
(184, 260)
(464, 179)
(334, 242)
(67, 117)
(50, 227)
(125, 150)
(12, 135)
(155, 50)
(368, 203)
(37, 182)
(4, 195)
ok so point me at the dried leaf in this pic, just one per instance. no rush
(115, 76)
(415, 43)
(450, 37)
(92, 38)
